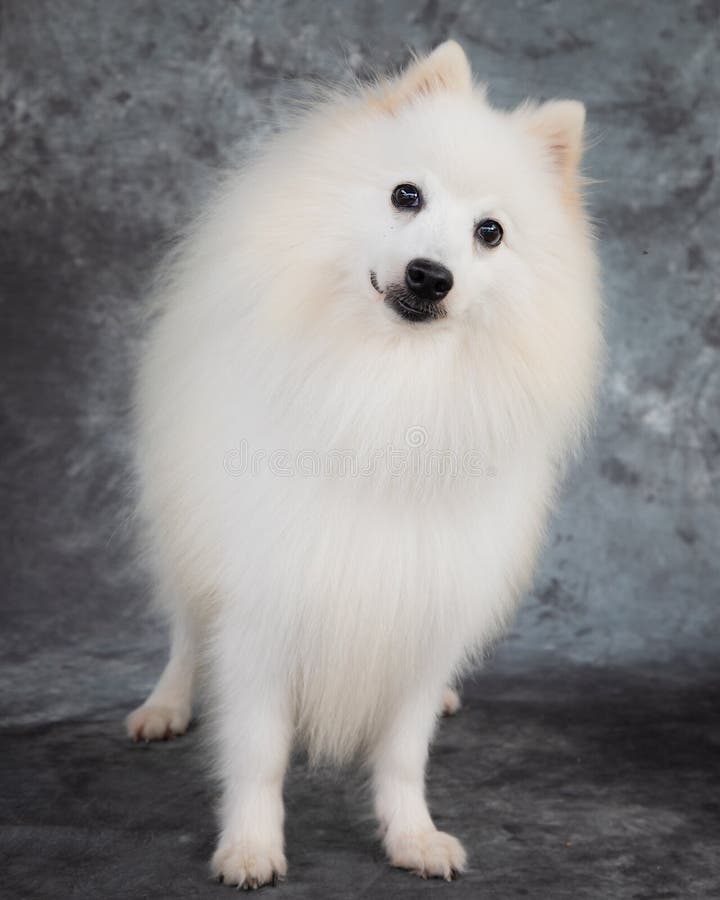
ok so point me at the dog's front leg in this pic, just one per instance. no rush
(255, 731)
(411, 839)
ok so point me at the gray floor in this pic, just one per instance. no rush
(586, 761)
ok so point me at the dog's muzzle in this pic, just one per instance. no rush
(420, 297)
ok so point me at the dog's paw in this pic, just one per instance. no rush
(249, 865)
(157, 723)
(450, 702)
(430, 854)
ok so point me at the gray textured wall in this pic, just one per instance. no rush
(583, 763)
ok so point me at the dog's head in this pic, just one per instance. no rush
(450, 209)
(412, 214)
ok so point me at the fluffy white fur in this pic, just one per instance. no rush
(335, 608)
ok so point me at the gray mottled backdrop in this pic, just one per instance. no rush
(584, 762)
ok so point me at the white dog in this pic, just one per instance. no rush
(370, 357)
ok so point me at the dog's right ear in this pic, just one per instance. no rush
(445, 70)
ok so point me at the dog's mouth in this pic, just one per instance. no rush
(407, 306)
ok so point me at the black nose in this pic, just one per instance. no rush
(428, 280)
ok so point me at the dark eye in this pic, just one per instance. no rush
(407, 196)
(489, 232)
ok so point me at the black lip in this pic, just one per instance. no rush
(405, 311)
(413, 310)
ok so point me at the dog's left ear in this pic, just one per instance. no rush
(446, 70)
(559, 124)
